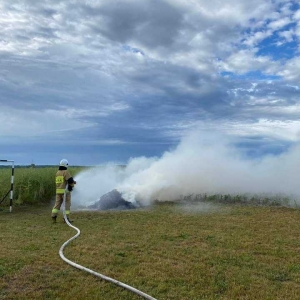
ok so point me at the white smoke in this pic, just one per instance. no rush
(201, 163)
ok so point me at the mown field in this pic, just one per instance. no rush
(169, 251)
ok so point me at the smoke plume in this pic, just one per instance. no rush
(201, 163)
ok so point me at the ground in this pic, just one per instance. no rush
(166, 251)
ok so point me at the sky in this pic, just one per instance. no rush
(106, 81)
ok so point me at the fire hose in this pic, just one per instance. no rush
(119, 283)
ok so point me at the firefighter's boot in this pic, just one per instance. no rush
(70, 221)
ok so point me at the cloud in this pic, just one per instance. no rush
(279, 24)
(139, 22)
(15, 123)
(244, 61)
(291, 70)
(280, 130)
(146, 72)
(257, 37)
(288, 35)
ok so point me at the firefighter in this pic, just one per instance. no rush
(62, 179)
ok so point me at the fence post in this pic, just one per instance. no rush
(11, 181)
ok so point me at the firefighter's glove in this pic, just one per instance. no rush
(74, 182)
(70, 188)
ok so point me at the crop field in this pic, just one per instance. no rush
(169, 251)
(32, 185)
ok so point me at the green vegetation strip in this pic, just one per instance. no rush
(169, 252)
(32, 185)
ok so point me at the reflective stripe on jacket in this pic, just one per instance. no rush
(61, 180)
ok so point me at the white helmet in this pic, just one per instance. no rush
(64, 163)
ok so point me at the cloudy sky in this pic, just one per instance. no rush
(102, 80)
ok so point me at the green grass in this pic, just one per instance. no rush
(32, 185)
(231, 252)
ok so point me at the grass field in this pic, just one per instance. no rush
(229, 252)
(32, 185)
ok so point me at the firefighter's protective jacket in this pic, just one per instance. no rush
(62, 178)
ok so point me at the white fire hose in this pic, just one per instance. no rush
(119, 283)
